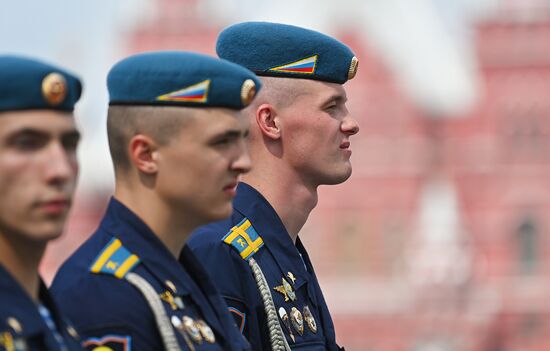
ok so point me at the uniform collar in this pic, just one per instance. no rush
(139, 239)
(252, 205)
(20, 306)
(214, 309)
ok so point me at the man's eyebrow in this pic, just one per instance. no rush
(232, 133)
(28, 130)
(336, 97)
(72, 134)
(39, 133)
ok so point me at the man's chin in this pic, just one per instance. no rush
(46, 232)
(218, 214)
(338, 177)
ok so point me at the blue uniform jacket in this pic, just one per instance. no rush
(21, 325)
(255, 231)
(109, 311)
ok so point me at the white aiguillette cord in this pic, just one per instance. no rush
(164, 325)
(276, 336)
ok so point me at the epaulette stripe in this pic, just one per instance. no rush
(239, 230)
(111, 248)
(245, 235)
(244, 238)
(127, 265)
(253, 248)
(231, 236)
(245, 225)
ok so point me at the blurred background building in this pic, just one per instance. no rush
(440, 239)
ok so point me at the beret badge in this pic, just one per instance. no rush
(54, 89)
(248, 91)
(353, 67)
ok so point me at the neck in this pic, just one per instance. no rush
(171, 226)
(21, 257)
(292, 200)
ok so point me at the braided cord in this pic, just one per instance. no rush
(276, 336)
(163, 323)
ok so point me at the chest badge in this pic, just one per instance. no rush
(297, 320)
(169, 298)
(286, 290)
(284, 317)
(291, 277)
(9, 343)
(72, 332)
(206, 331)
(310, 320)
(178, 324)
(192, 329)
(14, 324)
(6, 341)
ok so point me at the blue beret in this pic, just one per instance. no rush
(27, 84)
(177, 78)
(281, 50)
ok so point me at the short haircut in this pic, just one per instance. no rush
(281, 92)
(161, 123)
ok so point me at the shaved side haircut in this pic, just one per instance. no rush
(280, 92)
(161, 123)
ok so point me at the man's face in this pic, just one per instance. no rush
(38, 171)
(316, 128)
(200, 167)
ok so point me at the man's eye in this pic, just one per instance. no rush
(223, 141)
(70, 143)
(28, 142)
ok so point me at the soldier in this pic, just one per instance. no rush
(177, 140)
(299, 140)
(38, 171)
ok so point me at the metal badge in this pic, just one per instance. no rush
(177, 323)
(175, 301)
(281, 289)
(310, 320)
(248, 91)
(169, 298)
(179, 302)
(284, 317)
(289, 290)
(171, 285)
(6, 341)
(20, 345)
(353, 67)
(206, 331)
(297, 320)
(72, 332)
(14, 324)
(286, 290)
(54, 89)
(9, 343)
(192, 329)
(291, 277)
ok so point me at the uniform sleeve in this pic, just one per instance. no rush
(110, 313)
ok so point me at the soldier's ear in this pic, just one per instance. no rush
(268, 121)
(143, 153)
